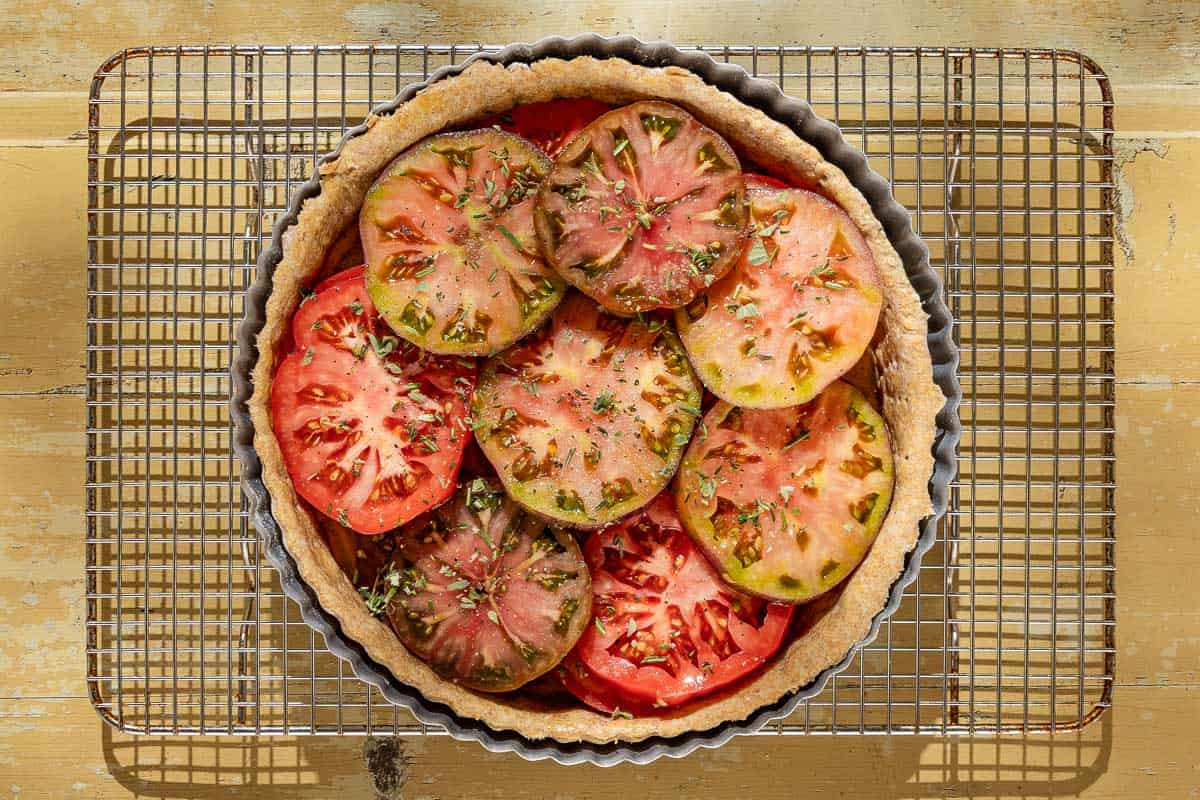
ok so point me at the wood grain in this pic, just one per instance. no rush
(53, 746)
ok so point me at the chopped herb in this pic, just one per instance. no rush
(380, 593)
(458, 585)
(493, 616)
(619, 186)
(617, 713)
(356, 308)
(306, 295)
(510, 236)
(604, 402)
(308, 356)
(600, 626)
(382, 345)
(799, 437)
(757, 254)
(631, 628)
(746, 311)
(654, 659)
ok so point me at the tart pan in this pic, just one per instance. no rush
(828, 140)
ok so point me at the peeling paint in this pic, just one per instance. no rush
(1125, 152)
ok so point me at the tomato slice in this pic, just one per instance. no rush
(553, 124)
(786, 502)
(643, 209)
(489, 595)
(667, 629)
(586, 421)
(447, 229)
(372, 429)
(797, 310)
(594, 691)
(757, 179)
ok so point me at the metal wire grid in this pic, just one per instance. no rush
(1004, 158)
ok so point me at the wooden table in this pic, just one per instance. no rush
(51, 743)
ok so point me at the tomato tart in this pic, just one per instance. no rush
(620, 423)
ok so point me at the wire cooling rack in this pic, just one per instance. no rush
(1004, 158)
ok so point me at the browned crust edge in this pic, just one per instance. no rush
(911, 400)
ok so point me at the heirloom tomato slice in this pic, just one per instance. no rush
(786, 502)
(797, 310)
(488, 595)
(452, 261)
(586, 420)
(371, 428)
(643, 209)
(553, 124)
(666, 628)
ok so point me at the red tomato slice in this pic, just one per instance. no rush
(797, 310)
(786, 502)
(596, 692)
(345, 276)
(643, 209)
(552, 125)
(667, 629)
(372, 429)
(757, 179)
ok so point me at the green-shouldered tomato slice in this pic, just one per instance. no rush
(795, 313)
(487, 594)
(643, 209)
(371, 428)
(666, 628)
(786, 502)
(586, 420)
(452, 260)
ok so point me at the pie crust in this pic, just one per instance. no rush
(911, 400)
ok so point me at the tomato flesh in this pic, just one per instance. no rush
(786, 502)
(371, 428)
(452, 260)
(586, 421)
(488, 595)
(797, 310)
(667, 629)
(643, 209)
(553, 124)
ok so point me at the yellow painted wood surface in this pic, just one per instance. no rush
(51, 742)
